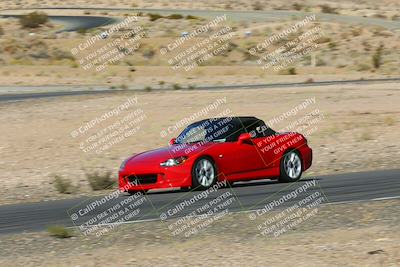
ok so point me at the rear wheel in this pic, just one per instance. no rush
(291, 167)
(204, 173)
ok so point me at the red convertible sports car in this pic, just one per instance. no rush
(218, 149)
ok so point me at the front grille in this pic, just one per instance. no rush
(142, 179)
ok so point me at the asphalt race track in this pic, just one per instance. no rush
(5, 97)
(76, 23)
(254, 195)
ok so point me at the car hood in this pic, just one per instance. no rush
(157, 156)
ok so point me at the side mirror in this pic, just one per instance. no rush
(172, 141)
(243, 138)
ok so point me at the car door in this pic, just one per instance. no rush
(265, 147)
(264, 141)
(234, 157)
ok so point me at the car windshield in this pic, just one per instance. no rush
(217, 130)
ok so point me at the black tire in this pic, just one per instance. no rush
(204, 173)
(291, 167)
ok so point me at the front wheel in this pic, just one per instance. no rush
(291, 167)
(204, 173)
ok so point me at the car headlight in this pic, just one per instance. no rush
(173, 161)
(122, 167)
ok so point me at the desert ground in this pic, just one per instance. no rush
(356, 130)
(42, 56)
(358, 234)
(358, 7)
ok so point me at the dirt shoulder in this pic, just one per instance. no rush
(358, 234)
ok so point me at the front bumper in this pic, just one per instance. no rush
(146, 179)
